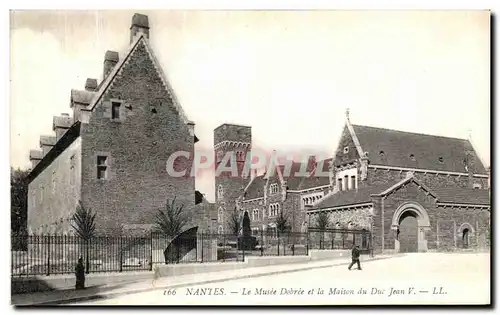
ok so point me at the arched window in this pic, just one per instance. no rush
(273, 189)
(353, 182)
(220, 192)
(466, 237)
(220, 215)
(220, 230)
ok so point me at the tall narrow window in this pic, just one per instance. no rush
(102, 167)
(115, 110)
(220, 192)
(346, 182)
(72, 170)
(353, 182)
(340, 183)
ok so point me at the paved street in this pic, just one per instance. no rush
(413, 279)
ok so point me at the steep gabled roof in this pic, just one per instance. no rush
(404, 181)
(255, 189)
(429, 152)
(315, 181)
(140, 39)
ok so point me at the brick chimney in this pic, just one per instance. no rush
(111, 58)
(35, 157)
(140, 24)
(91, 85)
(60, 124)
(46, 143)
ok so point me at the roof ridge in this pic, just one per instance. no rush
(410, 132)
(107, 81)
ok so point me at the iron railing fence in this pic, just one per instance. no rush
(328, 239)
(58, 254)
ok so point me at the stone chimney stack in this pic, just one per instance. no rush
(60, 124)
(91, 85)
(140, 25)
(111, 58)
(35, 157)
(46, 143)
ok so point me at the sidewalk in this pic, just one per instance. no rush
(127, 287)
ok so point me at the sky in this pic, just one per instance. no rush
(288, 74)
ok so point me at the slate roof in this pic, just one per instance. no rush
(256, 188)
(444, 195)
(351, 197)
(427, 150)
(463, 196)
(315, 181)
(292, 181)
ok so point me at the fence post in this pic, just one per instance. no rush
(202, 245)
(278, 237)
(262, 242)
(243, 244)
(120, 248)
(223, 247)
(307, 243)
(48, 255)
(151, 251)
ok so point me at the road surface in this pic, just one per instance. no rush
(429, 278)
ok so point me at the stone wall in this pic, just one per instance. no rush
(137, 147)
(54, 193)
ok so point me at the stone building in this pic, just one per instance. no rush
(414, 192)
(111, 154)
(263, 196)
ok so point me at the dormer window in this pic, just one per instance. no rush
(441, 160)
(477, 186)
(381, 153)
(346, 150)
(412, 157)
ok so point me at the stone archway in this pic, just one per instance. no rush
(407, 212)
(466, 234)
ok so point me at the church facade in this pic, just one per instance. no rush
(414, 192)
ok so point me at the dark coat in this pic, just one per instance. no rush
(355, 253)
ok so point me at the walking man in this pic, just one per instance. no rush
(355, 257)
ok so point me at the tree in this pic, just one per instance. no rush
(247, 231)
(18, 200)
(322, 222)
(282, 224)
(234, 223)
(84, 226)
(172, 220)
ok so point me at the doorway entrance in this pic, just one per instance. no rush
(409, 223)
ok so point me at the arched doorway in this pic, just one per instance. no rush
(408, 233)
(409, 223)
(466, 235)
